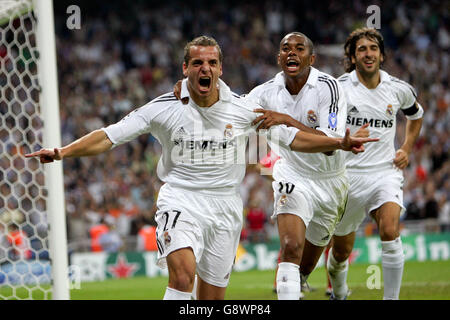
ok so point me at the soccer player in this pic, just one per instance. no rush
(199, 212)
(310, 190)
(376, 179)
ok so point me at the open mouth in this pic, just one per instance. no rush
(205, 83)
(292, 65)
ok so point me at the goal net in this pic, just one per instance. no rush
(26, 253)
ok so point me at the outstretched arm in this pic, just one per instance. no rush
(91, 144)
(401, 159)
(310, 143)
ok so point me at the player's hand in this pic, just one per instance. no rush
(362, 132)
(269, 118)
(401, 159)
(354, 144)
(177, 92)
(46, 155)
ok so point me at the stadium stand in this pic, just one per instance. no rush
(125, 55)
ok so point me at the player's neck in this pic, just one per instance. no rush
(369, 80)
(205, 101)
(295, 84)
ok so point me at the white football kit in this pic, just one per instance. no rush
(310, 185)
(202, 165)
(373, 178)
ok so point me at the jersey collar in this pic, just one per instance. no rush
(224, 90)
(280, 80)
(384, 77)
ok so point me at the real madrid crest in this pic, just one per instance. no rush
(167, 238)
(312, 117)
(389, 110)
(228, 133)
(283, 200)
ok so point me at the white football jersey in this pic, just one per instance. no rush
(379, 108)
(321, 105)
(202, 148)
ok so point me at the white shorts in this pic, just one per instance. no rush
(319, 202)
(209, 224)
(369, 191)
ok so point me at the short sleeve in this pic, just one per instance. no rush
(332, 108)
(407, 98)
(134, 124)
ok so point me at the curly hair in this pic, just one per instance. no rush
(350, 44)
(203, 41)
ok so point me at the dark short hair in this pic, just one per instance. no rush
(350, 44)
(203, 41)
(309, 43)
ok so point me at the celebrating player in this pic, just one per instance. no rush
(310, 190)
(199, 208)
(376, 179)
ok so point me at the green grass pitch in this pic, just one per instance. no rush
(421, 281)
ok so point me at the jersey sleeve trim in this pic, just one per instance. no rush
(113, 141)
(334, 93)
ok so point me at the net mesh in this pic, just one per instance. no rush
(24, 254)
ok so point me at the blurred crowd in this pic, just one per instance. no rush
(125, 55)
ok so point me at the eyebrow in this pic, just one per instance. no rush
(197, 60)
(368, 45)
(286, 44)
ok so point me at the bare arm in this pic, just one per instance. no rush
(311, 143)
(270, 118)
(413, 127)
(91, 144)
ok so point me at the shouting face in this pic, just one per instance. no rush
(203, 71)
(295, 56)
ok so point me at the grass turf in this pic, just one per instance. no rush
(428, 280)
(421, 281)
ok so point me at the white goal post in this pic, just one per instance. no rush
(32, 207)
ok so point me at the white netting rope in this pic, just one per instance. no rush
(24, 254)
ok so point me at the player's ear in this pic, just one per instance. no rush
(278, 60)
(312, 59)
(221, 70)
(353, 59)
(185, 69)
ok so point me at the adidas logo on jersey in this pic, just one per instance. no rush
(178, 136)
(353, 110)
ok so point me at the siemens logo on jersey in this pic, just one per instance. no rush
(204, 144)
(375, 123)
